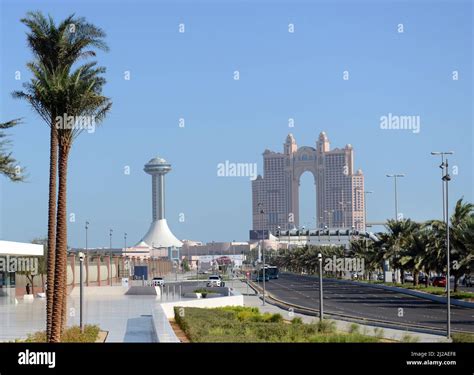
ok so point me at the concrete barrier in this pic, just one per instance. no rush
(161, 326)
(143, 291)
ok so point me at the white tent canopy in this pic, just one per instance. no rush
(160, 235)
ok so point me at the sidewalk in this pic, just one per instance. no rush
(251, 299)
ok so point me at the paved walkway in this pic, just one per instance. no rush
(253, 300)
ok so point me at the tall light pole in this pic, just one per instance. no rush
(445, 180)
(110, 239)
(262, 249)
(81, 290)
(125, 241)
(365, 208)
(442, 154)
(321, 309)
(395, 176)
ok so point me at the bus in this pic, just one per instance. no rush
(272, 271)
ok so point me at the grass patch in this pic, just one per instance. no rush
(436, 290)
(463, 337)
(247, 324)
(70, 334)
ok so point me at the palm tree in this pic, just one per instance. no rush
(56, 49)
(8, 165)
(83, 90)
(414, 254)
(461, 239)
(396, 241)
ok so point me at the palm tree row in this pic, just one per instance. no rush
(407, 245)
(61, 89)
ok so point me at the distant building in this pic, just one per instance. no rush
(339, 188)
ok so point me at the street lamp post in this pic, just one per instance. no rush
(81, 290)
(125, 241)
(262, 249)
(395, 176)
(110, 255)
(445, 180)
(321, 309)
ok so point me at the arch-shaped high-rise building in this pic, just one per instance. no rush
(339, 188)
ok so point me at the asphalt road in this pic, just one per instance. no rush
(366, 301)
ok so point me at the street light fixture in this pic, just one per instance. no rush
(395, 176)
(110, 238)
(442, 154)
(87, 227)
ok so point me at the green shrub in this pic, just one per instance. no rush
(297, 320)
(354, 328)
(276, 318)
(463, 337)
(409, 338)
(71, 334)
(326, 326)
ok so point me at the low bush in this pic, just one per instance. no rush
(243, 324)
(71, 334)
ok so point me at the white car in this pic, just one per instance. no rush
(158, 281)
(214, 280)
(409, 277)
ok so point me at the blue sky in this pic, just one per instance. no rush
(282, 75)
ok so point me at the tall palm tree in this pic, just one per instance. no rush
(8, 165)
(83, 90)
(55, 49)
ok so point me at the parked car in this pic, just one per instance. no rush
(158, 281)
(214, 280)
(422, 279)
(439, 281)
(380, 277)
(466, 280)
(409, 277)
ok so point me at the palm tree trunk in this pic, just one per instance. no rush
(61, 248)
(53, 162)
